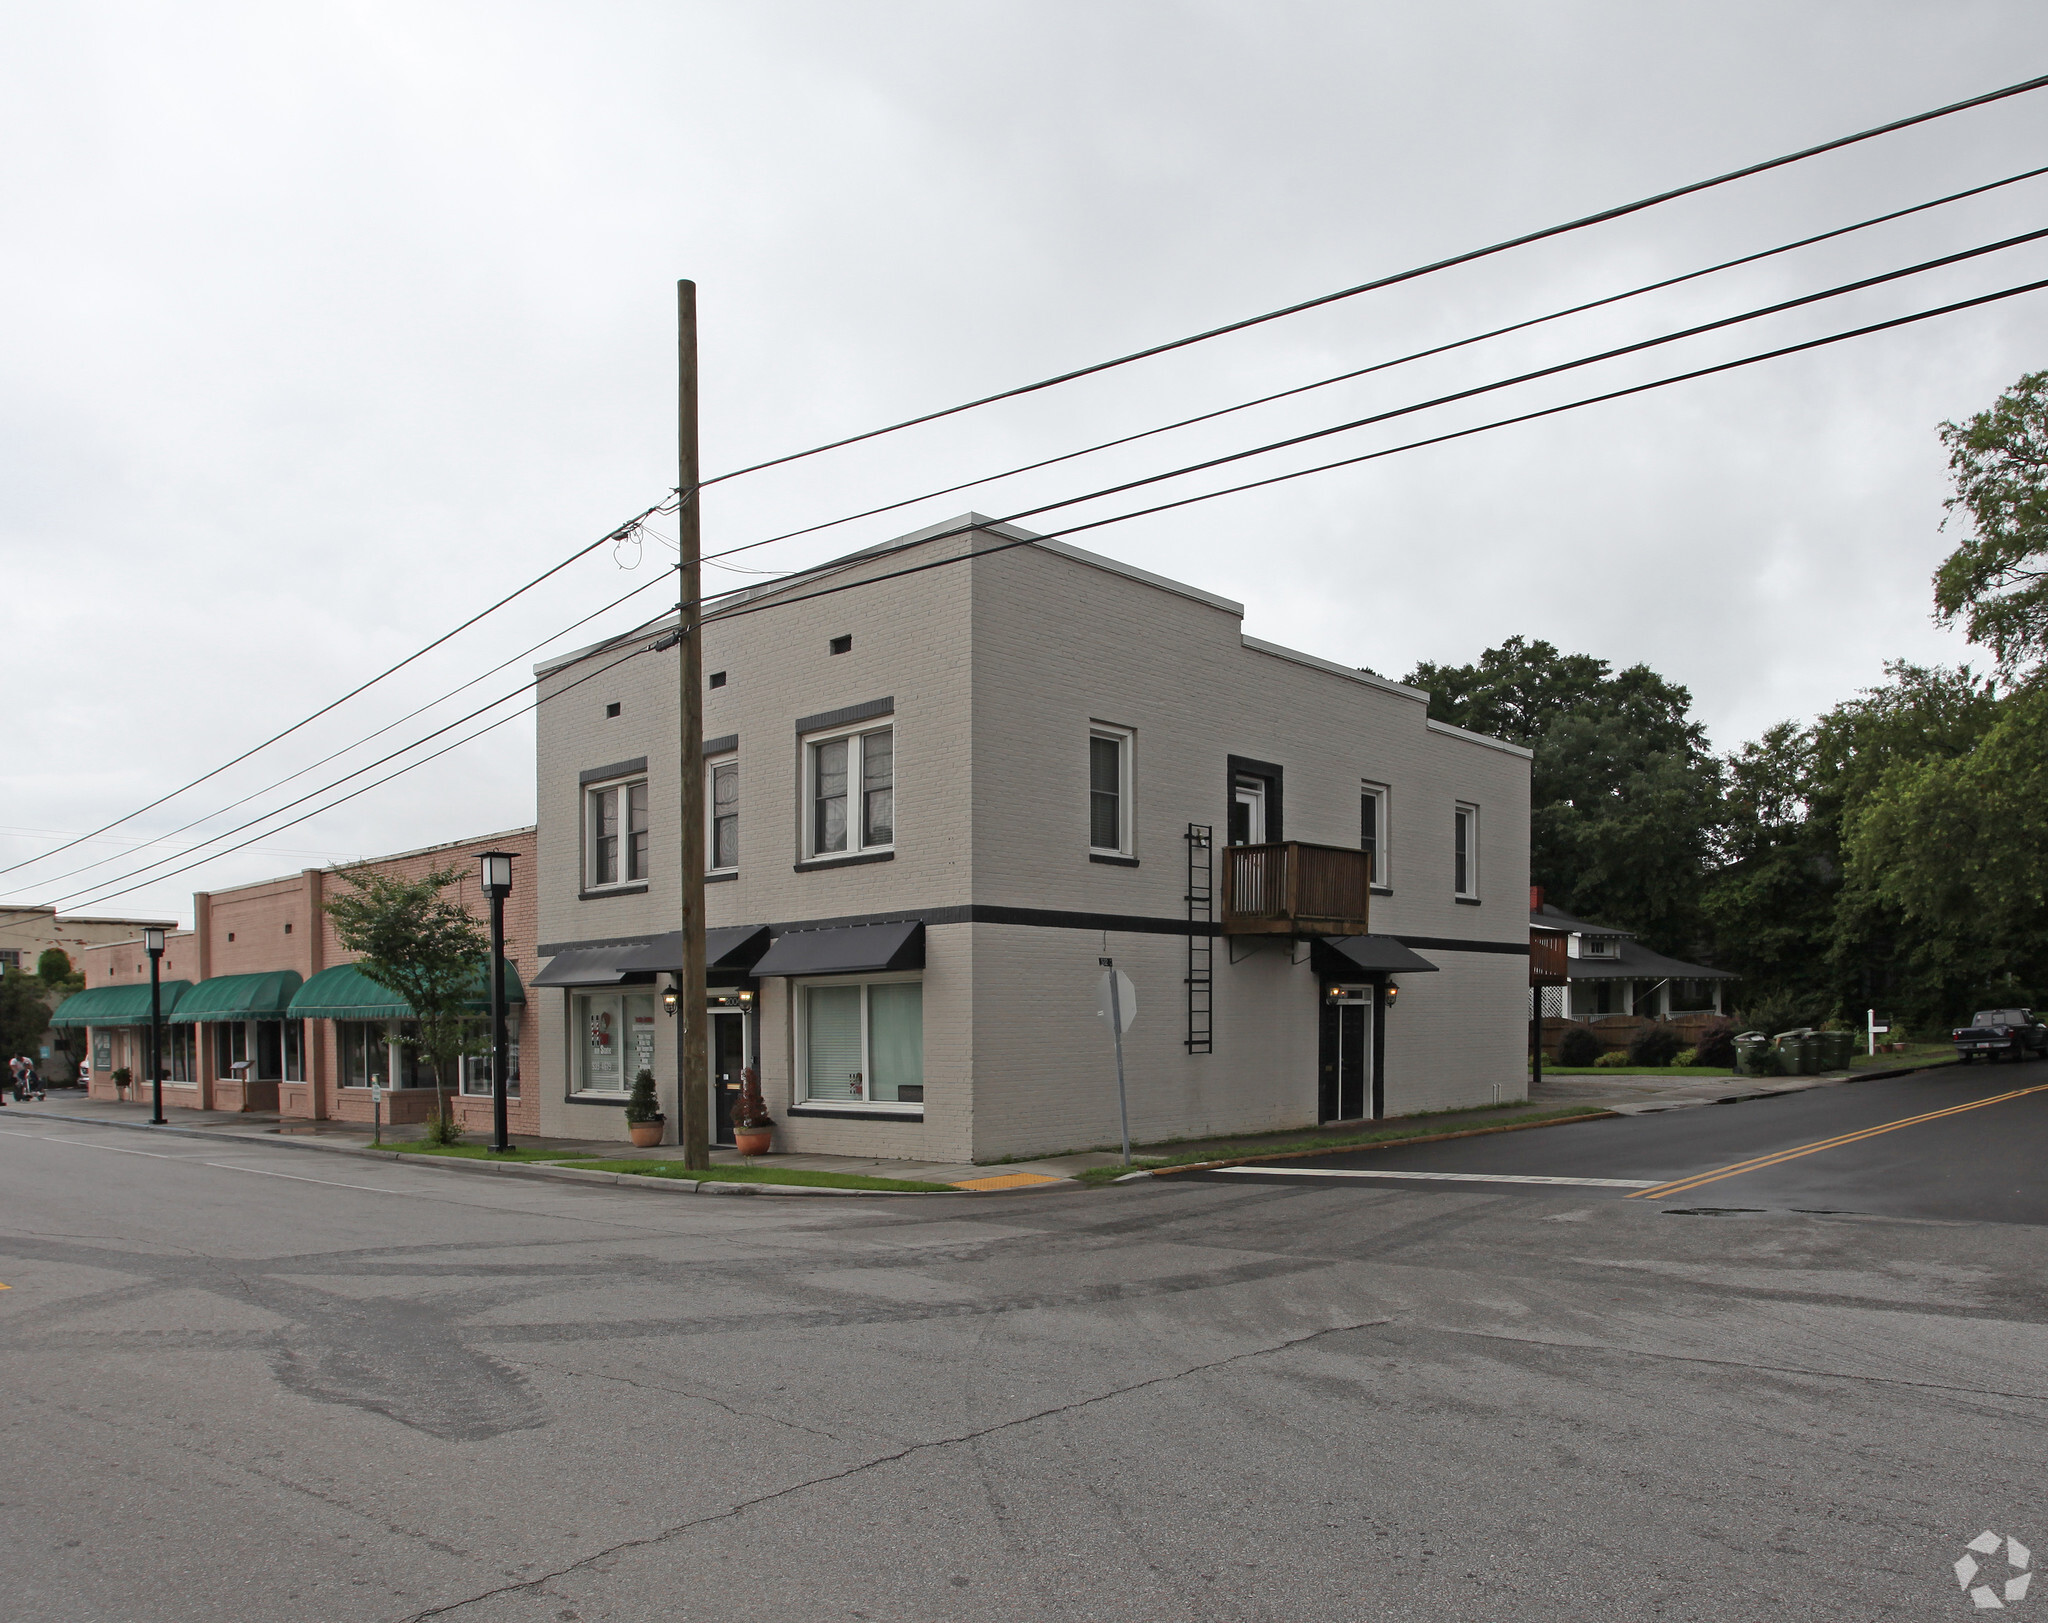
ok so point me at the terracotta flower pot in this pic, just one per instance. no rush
(753, 1140)
(646, 1134)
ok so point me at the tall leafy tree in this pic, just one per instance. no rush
(1623, 787)
(1996, 580)
(410, 936)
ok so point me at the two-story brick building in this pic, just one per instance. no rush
(947, 776)
(263, 1011)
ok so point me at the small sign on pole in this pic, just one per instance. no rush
(1117, 1001)
(376, 1113)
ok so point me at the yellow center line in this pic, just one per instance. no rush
(1679, 1186)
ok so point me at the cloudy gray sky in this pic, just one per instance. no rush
(330, 322)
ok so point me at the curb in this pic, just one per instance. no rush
(528, 1169)
(1383, 1144)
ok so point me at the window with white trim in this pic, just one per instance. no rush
(1372, 830)
(860, 1043)
(1109, 791)
(850, 793)
(615, 816)
(1465, 850)
(476, 1067)
(614, 1038)
(722, 824)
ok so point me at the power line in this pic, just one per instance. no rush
(1364, 371)
(305, 721)
(356, 744)
(1620, 211)
(776, 600)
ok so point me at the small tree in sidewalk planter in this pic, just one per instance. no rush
(644, 1119)
(410, 937)
(751, 1123)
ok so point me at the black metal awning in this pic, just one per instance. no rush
(729, 952)
(1337, 956)
(847, 949)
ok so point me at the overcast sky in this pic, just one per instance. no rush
(327, 324)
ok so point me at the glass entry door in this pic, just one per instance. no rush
(728, 1059)
(1345, 1091)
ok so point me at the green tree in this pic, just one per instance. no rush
(53, 969)
(1996, 581)
(409, 936)
(1623, 791)
(25, 1004)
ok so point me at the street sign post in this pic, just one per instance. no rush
(376, 1113)
(1117, 1001)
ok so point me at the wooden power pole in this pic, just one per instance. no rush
(693, 1057)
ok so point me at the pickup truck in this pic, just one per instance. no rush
(2001, 1033)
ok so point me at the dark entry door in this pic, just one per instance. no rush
(1345, 1072)
(728, 1059)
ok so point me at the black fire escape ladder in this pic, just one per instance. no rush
(1201, 938)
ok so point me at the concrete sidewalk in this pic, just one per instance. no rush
(1644, 1095)
(64, 1105)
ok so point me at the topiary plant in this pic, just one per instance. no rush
(641, 1104)
(750, 1112)
(1579, 1048)
(1654, 1045)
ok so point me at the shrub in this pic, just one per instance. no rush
(444, 1129)
(1579, 1048)
(1686, 1059)
(53, 966)
(1771, 1016)
(1612, 1059)
(1654, 1045)
(642, 1105)
(1716, 1047)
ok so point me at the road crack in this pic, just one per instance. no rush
(731, 1512)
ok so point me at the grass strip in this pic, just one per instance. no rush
(1636, 1070)
(471, 1152)
(785, 1175)
(1331, 1143)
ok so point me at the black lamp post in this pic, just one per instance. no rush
(497, 878)
(153, 942)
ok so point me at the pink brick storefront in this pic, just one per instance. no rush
(305, 1069)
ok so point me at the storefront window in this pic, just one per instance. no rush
(476, 1068)
(863, 1042)
(615, 1038)
(230, 1048)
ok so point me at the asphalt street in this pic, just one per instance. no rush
(259, 1382)
(1961, 1142)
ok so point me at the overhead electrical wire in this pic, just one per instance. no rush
(763, 599)
(1616, 212)
(1364, 371)
(304, 721)
(1619, 211)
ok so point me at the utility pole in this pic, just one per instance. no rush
(693, 1058)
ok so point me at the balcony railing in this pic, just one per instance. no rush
(1547, 962)
(1295, 889)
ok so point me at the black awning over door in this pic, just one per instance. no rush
(1341, 957)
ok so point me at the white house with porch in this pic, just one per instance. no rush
(1608, 971)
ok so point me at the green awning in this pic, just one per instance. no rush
(239, 997)
(346, 993)
(105, 1006)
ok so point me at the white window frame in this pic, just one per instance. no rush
(711, 770)
(1465, 813)
(800, 989)
(1126, 742)
(623, 787)
(856, 792)
(578, 1040)
(1382, 862)
(476, 1068)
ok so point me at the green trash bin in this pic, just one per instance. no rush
(1798, 1051)
(1749, 1047)
(1836, 1047)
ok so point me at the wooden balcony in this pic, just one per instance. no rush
(1547, 961)
(1296, 890)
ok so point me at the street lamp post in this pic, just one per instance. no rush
(497, 880)
(153, 943)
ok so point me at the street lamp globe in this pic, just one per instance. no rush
(497, 871)
(152, 938)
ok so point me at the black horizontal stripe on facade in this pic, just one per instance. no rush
(1043, 918)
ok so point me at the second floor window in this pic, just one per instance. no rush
(852, 793)
(1372, 828)
(1109, 791)
(725, 815)
(618, 834)
(1465, 851)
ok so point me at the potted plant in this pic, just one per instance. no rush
(644, 1119)
(122, 1077)
(753, 1129)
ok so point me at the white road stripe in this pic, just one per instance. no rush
(87, 1144)
(228, 1166)
(1444, 1177)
